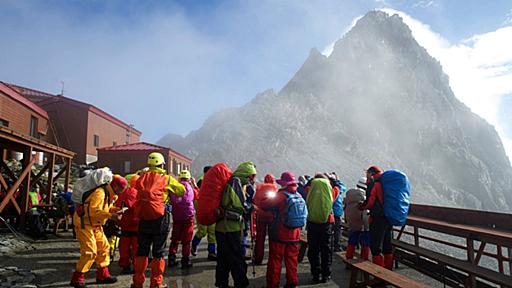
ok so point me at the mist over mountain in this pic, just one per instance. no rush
(379, 98)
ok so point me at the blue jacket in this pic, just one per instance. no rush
(337, 206)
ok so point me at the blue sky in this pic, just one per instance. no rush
(165, 66)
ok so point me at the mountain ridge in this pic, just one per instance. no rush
(379, 98)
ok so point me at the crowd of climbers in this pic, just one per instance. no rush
(279, 208)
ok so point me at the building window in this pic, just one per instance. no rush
(127, 167)
(4, 123)
(33, 127)
(114, 143)
(96, 141)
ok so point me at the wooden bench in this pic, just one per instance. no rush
(495, 277)
(379, 274)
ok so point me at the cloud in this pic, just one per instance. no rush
(479, 68)
(508, 18)
(425, 4)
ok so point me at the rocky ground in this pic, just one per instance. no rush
(49, 263)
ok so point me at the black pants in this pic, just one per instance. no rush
(337, 232)
(230, 259)
(381, 234)
(319, 248)
(153, 234)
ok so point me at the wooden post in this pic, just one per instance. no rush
(68, 174)
(471, 259)
(49, 186)
(26, 166)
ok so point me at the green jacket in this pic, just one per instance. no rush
(234, 199)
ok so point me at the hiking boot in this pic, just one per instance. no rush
(326, 279)
(103, 276)
(109, 280)
(127, 270)
(185, 263)
(212, 256)
(316, 279)
(77, 285)
(78, 280)
(171, 262)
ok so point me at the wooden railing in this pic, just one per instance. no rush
(459, 247)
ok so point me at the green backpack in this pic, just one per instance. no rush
(319, 201)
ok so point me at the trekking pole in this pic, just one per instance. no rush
(252, 247)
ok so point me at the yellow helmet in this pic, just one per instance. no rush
(155, 159)
(184, 174)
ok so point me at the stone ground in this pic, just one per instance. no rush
(52, 262)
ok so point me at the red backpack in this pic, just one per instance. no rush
(150, 197)
(210, 194)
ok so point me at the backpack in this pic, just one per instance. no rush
(149, 204)
(396, 194)
(319, 201)
(85, 186)
(296, 211)
(89, 183)
(210, 193)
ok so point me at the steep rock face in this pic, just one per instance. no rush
(379, 98)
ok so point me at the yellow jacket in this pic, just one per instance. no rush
(98, 207)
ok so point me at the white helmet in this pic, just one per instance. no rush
(361, 183)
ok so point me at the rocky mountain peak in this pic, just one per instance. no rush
(379, 98)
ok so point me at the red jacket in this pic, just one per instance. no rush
(376, 196)
(127, 199)
(278, 205)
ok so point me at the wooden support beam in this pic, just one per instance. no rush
(3, 183)
(8, 171)
(28, 161)
(480, 252)
(471, 259)
(35, 177)
(14, 187)
(67, 180)
(49, 187)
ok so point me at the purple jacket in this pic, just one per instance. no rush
(183, 207)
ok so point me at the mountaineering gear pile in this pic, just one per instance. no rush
(210, 194)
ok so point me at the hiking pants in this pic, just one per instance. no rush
(152, 235)
(261, 233)
(230, 260)
(127, 248)
(359, 237)
(337, 232)
(290, 253)
(319, 248)
(381, 235)
(182, 232)
(209, 231)
(93, 247)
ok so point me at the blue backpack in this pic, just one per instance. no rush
(396, 190)
(296, 211)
